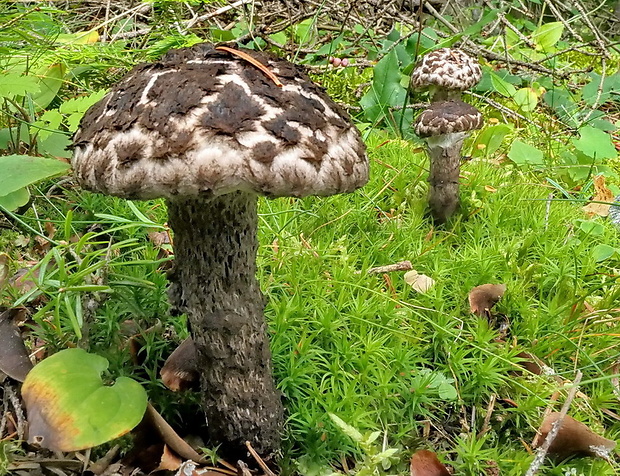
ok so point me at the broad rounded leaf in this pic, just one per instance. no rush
(602, 251)
(14, 200)
(595, 143)
(19, 171)
(526, 99)
(524, 154)
(490, 139)
(69, 407)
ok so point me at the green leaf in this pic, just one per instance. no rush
(503, 87)
(595, 143)
(524, 154)
(591, 228)
(601, 252)
(49, 85)
(13, 84)
(14, 200)
(69, 407)
(347, 429)
(490, 139)
(385, 90)
(22, 170)
(526, 99)
(55, 144)
(447, 391)
(546, 36)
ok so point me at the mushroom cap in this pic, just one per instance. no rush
(448, 117)
(203, 122)
(447, 68)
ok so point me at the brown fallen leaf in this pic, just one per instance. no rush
(601, 194)
(531, 363)
(419, 282)
(180, 371)
(482, 298)
(574, 438)
(169, 461)
(169, 436)
(4, 269)
(14, 360)
(426, 463)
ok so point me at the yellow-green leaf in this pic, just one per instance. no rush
(69, 407)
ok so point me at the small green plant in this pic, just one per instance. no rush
(375, 460)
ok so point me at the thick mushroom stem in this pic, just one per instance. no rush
(445, 157)
(215, 282)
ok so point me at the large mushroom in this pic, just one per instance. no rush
(446, 72)
(210, 129)
(444, 126)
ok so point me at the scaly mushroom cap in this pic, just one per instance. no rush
(448, 117)
(202, 121)
(447, 68)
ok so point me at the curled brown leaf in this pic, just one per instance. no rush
(482, 298)
(426, 463)
(574, 438)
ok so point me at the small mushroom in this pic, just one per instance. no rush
(445, 125)
(180, 371)
(211, 129)
(574, 438)
(446, 72)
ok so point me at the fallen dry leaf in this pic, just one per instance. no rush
(169, 461)
(531, 363)
(14, 360)
(601, 194)
(169, 436)
(4, 268)
(419, 282)
(574, 438)
(180, 369)
(482, 298)
(426, 463)
(488, 188)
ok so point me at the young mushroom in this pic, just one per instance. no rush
(210, 129)
(446, 72)
(444, 126)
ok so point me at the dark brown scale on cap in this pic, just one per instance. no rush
(449, 70)
(446, 117)
(208, 109)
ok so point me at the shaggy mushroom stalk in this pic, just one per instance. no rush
(215, 275)
(444, 126)
(209, 129)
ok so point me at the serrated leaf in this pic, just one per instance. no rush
(546, 36)
(524, 154)
(13, 84)
(70, 409)
(595, 143)
(22, 170)
(12, 201)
